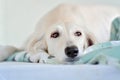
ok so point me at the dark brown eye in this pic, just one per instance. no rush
(55, 35)
(78, 33)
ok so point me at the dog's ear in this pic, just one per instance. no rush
(90, 40)
(36, 43)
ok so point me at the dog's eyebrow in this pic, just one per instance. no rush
(55, 30)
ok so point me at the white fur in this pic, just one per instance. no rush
(94, 22)
(6, 51)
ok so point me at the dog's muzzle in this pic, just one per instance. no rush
(71, 52)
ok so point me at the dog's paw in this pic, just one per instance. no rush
(39, 57)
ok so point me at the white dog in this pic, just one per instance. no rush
(66, 31)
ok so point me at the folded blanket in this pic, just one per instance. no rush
(104, 53)
(115, 29)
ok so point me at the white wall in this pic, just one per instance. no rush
(1, 22)
(18, 17)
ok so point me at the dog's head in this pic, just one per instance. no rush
(61, 34)
(67, 42)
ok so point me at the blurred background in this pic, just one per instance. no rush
(19, 17)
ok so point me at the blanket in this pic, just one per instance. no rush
(103, 53)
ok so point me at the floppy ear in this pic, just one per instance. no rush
(36, 43)
(90, 40)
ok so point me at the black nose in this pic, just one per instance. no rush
(71, 52)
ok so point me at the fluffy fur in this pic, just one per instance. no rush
(93, 22)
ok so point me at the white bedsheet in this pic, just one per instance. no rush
(32, 71)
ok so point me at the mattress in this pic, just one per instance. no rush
(34, 71)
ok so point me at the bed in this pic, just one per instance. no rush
(32, 71)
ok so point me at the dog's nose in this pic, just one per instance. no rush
(72, 51)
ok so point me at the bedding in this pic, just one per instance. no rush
(104, 53)
(115, 29)
(35, 71)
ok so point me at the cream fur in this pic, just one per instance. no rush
(94, 22)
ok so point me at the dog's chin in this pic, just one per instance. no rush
(71, 60)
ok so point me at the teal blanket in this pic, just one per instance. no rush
(104, 53)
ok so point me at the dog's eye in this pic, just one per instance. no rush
(55, 35)
(78, 33)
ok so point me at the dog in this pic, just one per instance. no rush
(67, 30)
